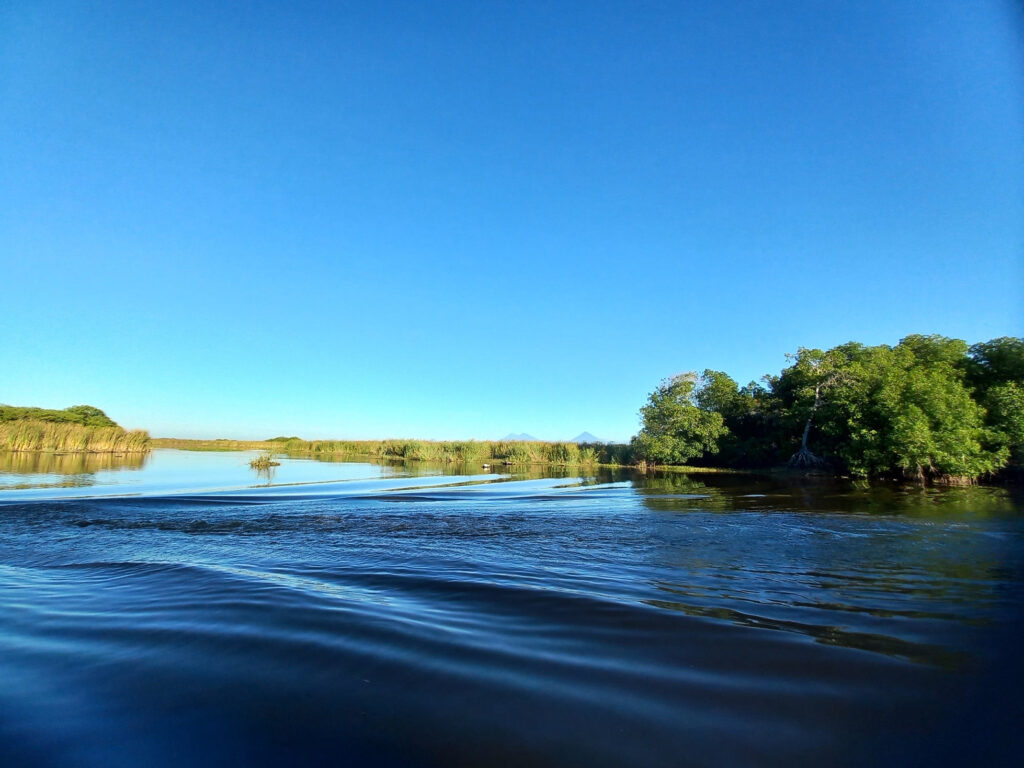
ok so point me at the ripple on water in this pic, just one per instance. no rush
(453, 620)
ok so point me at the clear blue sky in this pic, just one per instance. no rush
(447, 220)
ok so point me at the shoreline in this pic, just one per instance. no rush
(484, 453)
(479, 460)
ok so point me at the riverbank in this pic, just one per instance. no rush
(62, 437)
(446, 451)
(519, 453)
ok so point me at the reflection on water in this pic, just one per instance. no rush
(24, 469)
(668, 491)
(37, 475)
(842, 554)
(400, 468)
(32, 463)
(442, 614)
(265, 473)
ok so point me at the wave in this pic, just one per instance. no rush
(425, 621)
(425, 652)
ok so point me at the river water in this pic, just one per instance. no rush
(184, 609)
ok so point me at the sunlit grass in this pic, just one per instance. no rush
(264, 461)
(57, 437)
(510, 452)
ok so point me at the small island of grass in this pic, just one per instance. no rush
(264, 461)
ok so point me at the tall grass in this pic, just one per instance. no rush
(264, 461)
(447, 451)
(30, 435)
(216, 445)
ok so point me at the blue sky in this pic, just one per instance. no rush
(450, 220)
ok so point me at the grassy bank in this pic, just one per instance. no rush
(448, 451)
(69, 437)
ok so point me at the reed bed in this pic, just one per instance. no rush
(215, 445)
(264, 461)
(510, 452)
(58, 437)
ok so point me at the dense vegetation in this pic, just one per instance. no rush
(929, 408)
(264, 461)
(447, 451)
(86, 415)
(80, 428)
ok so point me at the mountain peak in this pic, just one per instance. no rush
(522, 436)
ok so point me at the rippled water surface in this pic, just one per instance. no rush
(184, 609)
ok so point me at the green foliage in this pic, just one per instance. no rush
(86, 415)
(675, 428)
(1005, 404)
(516, 452)
(718, 391)
(91, 416)
(931, 425)
(934, 351)
(80, 428)
(564, 453)
(995, 369)
(995, 362)
(447, 451)
(898, 411)
(264, 461)
(928, 408)
(460, 451)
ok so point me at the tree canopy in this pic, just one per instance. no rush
(86, 415)
(675, 427)
(929, 407)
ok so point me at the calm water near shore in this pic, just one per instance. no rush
(181, 608)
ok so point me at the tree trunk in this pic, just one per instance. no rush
(805, 458)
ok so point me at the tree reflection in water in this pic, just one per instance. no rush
(25, 469)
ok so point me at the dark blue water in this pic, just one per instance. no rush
(505, 619)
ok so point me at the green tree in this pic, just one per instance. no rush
(935, 428)
(903, 410)
(907, 411)
(934, 350)
(675, 428)
(995, 369)
(748, 415)
(928, 408)
(995, 362)
(809, 380)
(87, 415)
(90, 416)
(717, 391)
(1005, 406)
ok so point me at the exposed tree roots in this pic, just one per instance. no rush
(805, 459)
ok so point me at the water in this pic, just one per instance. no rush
(187, 610)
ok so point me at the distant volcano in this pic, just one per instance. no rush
(586, 437)
(521, 436)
